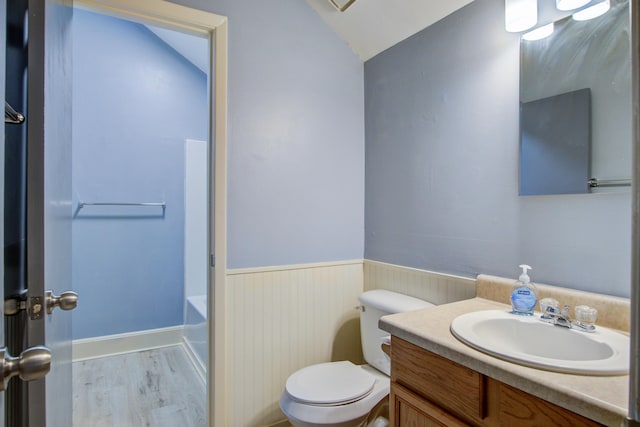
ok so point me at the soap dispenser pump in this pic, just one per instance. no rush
(523, 294)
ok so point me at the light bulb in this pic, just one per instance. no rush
(520, 15)
(539, 33)
(570, 4)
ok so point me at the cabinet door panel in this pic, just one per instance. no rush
(410, 410)
(522, 409)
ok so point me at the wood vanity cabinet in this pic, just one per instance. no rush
(429, 390)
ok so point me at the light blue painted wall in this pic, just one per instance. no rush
(135, 101)
(296, 136)
(442, 167)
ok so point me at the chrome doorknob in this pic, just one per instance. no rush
(66, 301)
(32, 364)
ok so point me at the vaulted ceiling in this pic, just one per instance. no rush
(368, 26)
(371, 26)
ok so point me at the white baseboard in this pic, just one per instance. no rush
(195, 360)
(110, 345)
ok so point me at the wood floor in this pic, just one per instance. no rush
(155, 388)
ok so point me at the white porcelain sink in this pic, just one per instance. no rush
(528, 341)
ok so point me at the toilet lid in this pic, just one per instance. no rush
(330, 383)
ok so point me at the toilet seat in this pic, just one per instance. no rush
(344, 414)
(329, 384)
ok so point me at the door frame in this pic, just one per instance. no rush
(214, 27)
(3, 59)
(634, 372)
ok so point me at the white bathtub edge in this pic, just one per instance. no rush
(195, 360)
(199, 303)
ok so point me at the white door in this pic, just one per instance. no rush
(49, 207)
(41, 219)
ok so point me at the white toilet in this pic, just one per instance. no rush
(342, 394)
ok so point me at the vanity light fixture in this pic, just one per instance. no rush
(593, 11)
(539, 33)
(520, 15)
(570, 4)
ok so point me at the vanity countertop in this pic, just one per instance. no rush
(601, 398)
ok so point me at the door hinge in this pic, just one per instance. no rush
(212, 261)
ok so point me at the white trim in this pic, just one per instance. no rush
(195, 360)
(214, 27)
(111, 345)
(218, 384)
(452, 276)
(156, 12)
(252, 270)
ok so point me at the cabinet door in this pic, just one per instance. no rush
(518, 408)
(449, 385)
(409, 410)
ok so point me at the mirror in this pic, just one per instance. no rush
(575, 98)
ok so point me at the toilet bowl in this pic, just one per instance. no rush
(338, 394)
(342, 394)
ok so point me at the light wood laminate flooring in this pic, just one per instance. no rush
(154, 388)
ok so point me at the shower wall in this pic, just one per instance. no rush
(135, 102)
(196, 197)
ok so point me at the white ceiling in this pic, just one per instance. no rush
(368, 26)
(371, 26)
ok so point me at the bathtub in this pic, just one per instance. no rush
(195, 328)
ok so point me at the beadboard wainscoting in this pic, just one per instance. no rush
(282, 319)
(437, 288)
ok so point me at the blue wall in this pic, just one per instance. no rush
(135, 101)
(296, 136)
(442, 167)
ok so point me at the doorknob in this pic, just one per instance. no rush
(32, 364)
(66, 301)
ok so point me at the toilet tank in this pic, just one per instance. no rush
(374, 305)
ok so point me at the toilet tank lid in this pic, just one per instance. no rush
(391, 302)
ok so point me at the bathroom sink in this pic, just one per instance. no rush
(528, 341)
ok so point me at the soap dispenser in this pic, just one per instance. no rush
(523, 294)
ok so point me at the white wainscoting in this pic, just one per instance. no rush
(436, 288)
(281, 319)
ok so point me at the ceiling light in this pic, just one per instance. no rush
(520, 15)
(593, 11)
(539, 33)
(570, 4)
(342, 5)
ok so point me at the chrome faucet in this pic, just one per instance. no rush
(557, 316)
(560, 317)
